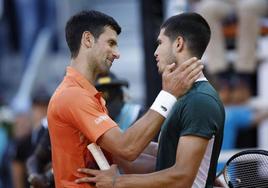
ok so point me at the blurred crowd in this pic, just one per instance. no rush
(236, 27)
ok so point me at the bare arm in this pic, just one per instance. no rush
(145, 163)
(181, 174)
(130, 144)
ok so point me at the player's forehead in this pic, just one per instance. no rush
(162, 36)
(108, 34)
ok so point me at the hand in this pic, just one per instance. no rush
(178, 80)
(38, 181)
(102, 178)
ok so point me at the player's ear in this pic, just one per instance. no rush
(179, 43)
(87, 39)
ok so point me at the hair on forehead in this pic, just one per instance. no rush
(88, 20)
(192, 27)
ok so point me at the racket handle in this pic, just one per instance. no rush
(98, 156)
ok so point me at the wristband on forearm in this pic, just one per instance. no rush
(163, 103)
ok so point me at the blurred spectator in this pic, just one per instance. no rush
(39, 170)
(32, 16)
(249, 13)
(235, 94)
(121, 111)
(27, 16)
(28, 134)
(8, 27)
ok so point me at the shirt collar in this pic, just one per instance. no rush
(201, 79)
(80, 79)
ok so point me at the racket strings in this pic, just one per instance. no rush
(250, 170)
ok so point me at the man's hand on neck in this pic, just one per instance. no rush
(178, 80)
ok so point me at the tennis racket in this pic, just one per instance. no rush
(247, 169)
(98, 156)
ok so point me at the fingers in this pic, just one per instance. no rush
(89, 171)
(195, 73)
(86, 180)
(187, 63)
(192, 72)
(169, 69)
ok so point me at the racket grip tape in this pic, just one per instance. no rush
(98, 156)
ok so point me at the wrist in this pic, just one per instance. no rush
(164, 103)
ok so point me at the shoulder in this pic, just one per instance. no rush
(202, 94)
(201, 105)
(71, 96)
(199, 99)
(70, 101)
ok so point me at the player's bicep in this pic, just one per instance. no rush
(111, 141)
(190, 152)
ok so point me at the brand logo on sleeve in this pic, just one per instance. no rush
(101, 119)
(163, 108)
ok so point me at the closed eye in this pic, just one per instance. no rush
(112, 43)
(158, 41)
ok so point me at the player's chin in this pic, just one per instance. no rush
(160, 70)
(105, 70)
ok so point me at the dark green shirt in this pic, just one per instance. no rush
(200, 113)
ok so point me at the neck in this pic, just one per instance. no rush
(184, 58)
(82, 67)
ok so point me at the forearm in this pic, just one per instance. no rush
(138, 136)
(165, 178)
(143, 164)
(130, 144)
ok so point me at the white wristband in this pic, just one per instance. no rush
(163, 103)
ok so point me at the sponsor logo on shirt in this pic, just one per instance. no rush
(101, 119)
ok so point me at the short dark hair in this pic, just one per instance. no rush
(92, 21)
(192, 27)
